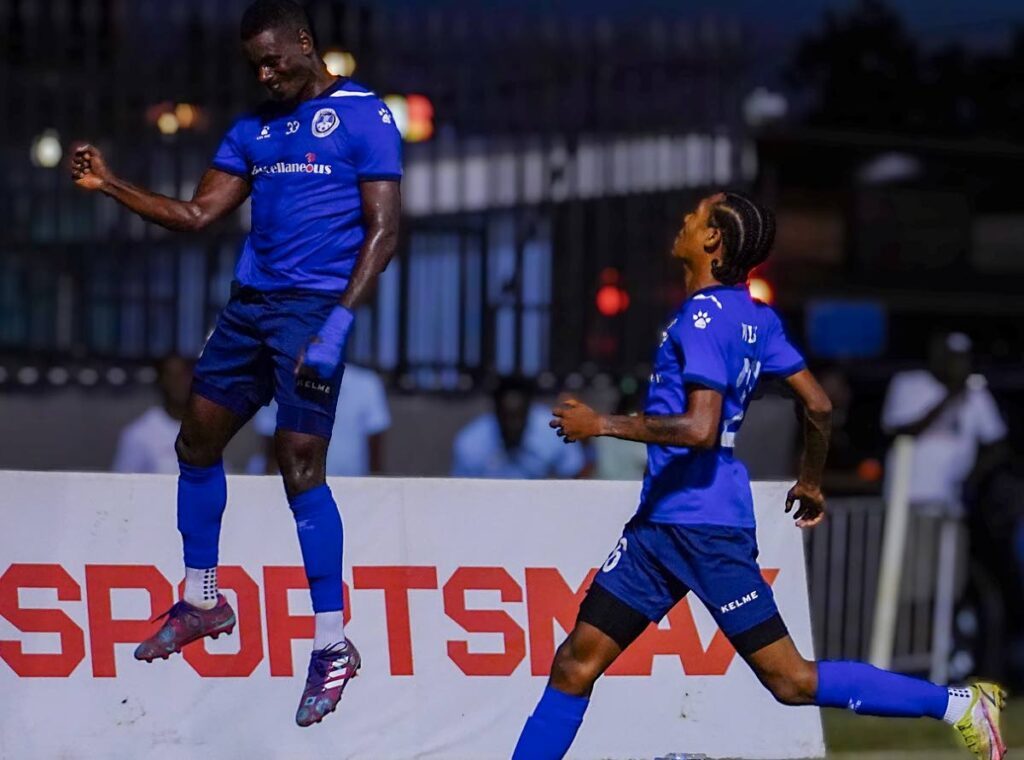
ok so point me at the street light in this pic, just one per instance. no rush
(46, 149)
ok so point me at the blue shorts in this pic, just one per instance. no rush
(252, 353)
(655, 565)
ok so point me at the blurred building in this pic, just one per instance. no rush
(542, 150)
(549, 159)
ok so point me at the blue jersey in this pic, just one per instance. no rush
(722, 339)
(305, 164)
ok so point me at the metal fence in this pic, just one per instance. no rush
(561, 148)
(844, 557)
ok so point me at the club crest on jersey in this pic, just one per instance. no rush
(701, 320)
(324, 122)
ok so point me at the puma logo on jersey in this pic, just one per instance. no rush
(749, 333)
(701, 320)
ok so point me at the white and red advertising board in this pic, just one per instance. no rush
(458, 593)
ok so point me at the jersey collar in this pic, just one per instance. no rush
(713, 288)
(342, 81)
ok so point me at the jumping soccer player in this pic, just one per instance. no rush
(322, 162)
(694, 529)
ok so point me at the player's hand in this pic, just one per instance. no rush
(575, 421)
(325, 352)
(812, 504)
(88, 169)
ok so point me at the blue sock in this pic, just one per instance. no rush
(549, 732)
(867, 690)
(202, 496)
(321, 538)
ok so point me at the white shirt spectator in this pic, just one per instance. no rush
(147, 444)
(616, 459)
(479, 451)
(362, 412)
(945, 452)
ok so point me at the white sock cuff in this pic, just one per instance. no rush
(959, 700)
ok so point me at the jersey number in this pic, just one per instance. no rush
(745, 384)
(615, 556)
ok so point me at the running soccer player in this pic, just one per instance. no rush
(322, 162)
(694, 529)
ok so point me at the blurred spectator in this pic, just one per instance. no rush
(514, 441)
(766, 444)
(147, 444)
(953, 418)
(357, 441)
(617, 459)
(849, 470)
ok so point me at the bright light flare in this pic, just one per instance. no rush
(762, 290)
(340, 63)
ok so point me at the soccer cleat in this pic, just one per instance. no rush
(184, 624)
(979, 727)
(330, 670)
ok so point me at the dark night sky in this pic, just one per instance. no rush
(982, 23)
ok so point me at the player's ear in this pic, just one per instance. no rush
(306, 41)
(712, 240)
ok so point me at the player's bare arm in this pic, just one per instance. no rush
(817, 432)
(697, 428)
(218, 194)
(382, 211)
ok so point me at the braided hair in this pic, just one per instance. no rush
(273, 14)
(748, 231)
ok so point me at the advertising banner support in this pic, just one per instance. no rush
(457, 594)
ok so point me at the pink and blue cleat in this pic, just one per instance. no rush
(330, 670)
(184, 624)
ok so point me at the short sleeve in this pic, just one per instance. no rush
(988, 422)
(375, 417)
(780, 357)
(570, 459)
(697, 333)
(376, 143)
(130, 456)
(465, 453)
(230, 156)
(909, 397)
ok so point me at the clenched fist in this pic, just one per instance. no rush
(88, 168)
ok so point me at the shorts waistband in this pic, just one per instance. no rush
(248, 294)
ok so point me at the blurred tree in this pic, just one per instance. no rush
(863, 70)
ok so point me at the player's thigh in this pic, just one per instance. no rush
(636, 574)
(303, 405)
(302, 458)
(630, 591)
(235, 370)
(720, 565)
(782, 670)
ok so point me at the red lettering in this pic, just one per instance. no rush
(484, 621)
(549, 599)
(72, 640)
(282, 626)
(681, 639)
(249, 630)
(396, 583)
(104, 631)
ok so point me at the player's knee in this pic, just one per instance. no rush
(302, 466)
(795, 686)
(193, 451)
(572, 674)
